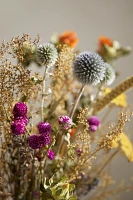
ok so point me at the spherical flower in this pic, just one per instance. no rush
(94, 123)
(18, 127)
(93, 120)
(47, 54)
(50, 154)
(20, 109)
(23, 119)
(65, 122)
(109, 75)
(33, 141)
(89, 68)
(44, 127)
(43, 140)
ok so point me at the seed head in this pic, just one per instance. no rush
(47, 54)
(89, 68)
(109, 75)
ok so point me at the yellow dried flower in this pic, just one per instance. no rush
(118, 101)
(126, 146)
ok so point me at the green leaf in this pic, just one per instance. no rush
(58, 192)
(71, 187)
(73, 198)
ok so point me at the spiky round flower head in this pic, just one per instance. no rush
(43, 140)
(50, 154)
(33, 141)
(65, 122)
(109, 75)
(89, 68)
(18, 127)
(23, 119)
(44, 127)
(20, 109)
(47, 54)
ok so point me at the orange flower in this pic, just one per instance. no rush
(105, 41)
(69, 38)
(72, 132)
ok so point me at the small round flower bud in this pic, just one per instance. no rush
(18, 127)
(109, 75)
(44, 128)
(20, 109)
(65, 122)
(33, 141)
(47, 54)
(50, 154)
(89, 68)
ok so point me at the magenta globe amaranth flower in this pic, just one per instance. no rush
(44, 128)
(50, 154)
(18, 127)
(23, 119)
(65, 122)
(43, 140)
(94, 123)
(33, 141)
(20, 109)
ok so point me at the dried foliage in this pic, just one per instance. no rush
(47, 128)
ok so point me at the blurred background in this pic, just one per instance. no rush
(89, 19)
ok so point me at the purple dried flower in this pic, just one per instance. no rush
(44, 128)
(51, 154)
(65, 122)
(36, 193)
(94, 123)
(18, 127)
(93, 128)
(78, 152)
(33, 141)
(20, 109)
(39, 158)
(43, 140)
(93, 120)
(23, 119)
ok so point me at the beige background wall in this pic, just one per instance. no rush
(90, 19)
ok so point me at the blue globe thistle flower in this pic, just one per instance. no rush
(47, 54)
(109, 75)
(89, 68)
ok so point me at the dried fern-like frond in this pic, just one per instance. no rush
(121, 88)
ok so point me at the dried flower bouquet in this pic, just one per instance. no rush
(51, 137)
